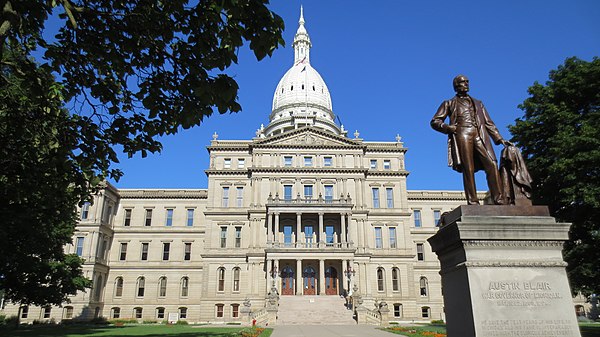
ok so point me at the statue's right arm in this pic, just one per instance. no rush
(437, 122)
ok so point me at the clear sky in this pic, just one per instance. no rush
(388, 66)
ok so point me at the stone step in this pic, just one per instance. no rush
(313, 310)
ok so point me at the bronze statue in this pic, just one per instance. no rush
(469, 145)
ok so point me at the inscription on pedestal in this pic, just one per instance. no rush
(522, 302)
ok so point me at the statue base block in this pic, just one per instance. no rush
(503, 273)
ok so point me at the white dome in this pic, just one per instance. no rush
(301, 84)
(301, 97)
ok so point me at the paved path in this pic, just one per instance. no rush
(328, 331)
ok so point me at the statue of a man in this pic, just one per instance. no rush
(469, 147)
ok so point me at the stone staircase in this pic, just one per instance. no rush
(313, 310)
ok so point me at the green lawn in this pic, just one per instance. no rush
(134, 330)
(589, 329)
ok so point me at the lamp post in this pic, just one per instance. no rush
(349, 273)
(273, 273)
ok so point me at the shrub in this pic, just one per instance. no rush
(2, 319)
(11, 320)
(182, 322)
(99, 320)
(121, 321)
(149, 321)
(437, 322)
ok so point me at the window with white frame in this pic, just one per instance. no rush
(185, 286)
(162, 287)
(308, 161)
(166, 251)
(160, 313)
(239, 197)
(190, 217)
(241, 163)
(183, 313)
(378, 238)
(387, 165)
(375, 191)
(380, 279)
(85, 211)
(238, 237)
(137, 312)
(437, 214)
(287, 161)
(425, 312)
(141, 286)
(145, 246)
(420, 252)
(389, 194)
(395, 279)
(423, 286)
(308, 191)
(123, 251)
(373, 164)
(227, 163)
(169, 217)
(417, 217)
(397, 310)
(236, 279)
(127, 221)
(327, 161)
(221, 279)
(392, 237)
(328, 193)
(225, 202)
(116, 312)
(119, 287)
(79, 245)
(187, 251)
(148, 220)
(287, 192)
(223, 237)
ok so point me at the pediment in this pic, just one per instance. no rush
(307, 137)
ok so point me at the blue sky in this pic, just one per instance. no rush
(388, 66)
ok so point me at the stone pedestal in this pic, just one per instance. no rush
(503, 273)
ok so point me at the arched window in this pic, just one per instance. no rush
(160, 313)
(423, 286)
(395, 279)
(236, 279)
(397, 310)
(141, 286)
(116, 312)
(119, 287)
(380, 279)
(185, 286)
(221, 279)
(137, 312)
(162, 287)
(425, 312)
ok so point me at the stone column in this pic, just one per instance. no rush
(268, 278)
(344, 278)
(298, 229)
(321, 234)
(321, 277)
(299, 285)
(269, 228)
(276, 229)
(343, 225)
(276, 267)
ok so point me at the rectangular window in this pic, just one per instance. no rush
(378, 238)
(308, 161)
(308, 235)
(223, 237)
(85, 210)
(138, 313)
(144, 256)
(160, 313)
(241, 163)
(328, 193)
(389, 195)
(187, 251)
(425, 312)
(392, 237)
(183, 313)
(417, 217)
(375, 197)
(308, 191)
(287, 161)
(420, 252)
(387, 165)
(169, 218)
(79, 246)
(69, 312)
(437, 214)
(148, 217)
(327, 161)
(397, 310)
(220, 310)
(239, 197)
(127, 222)
(116, 312)
(287, 235)
(225, 196)
(123, 251)
(227, 163)
(166, 251)
(235, 310)
(287, 192)
(373, 164)
(190, 217)
(238, 237)
(24, 312)
(47, 311)
(329, 235)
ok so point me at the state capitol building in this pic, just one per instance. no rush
(304, 212)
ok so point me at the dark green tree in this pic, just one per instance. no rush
(129, 72)
(560, 138)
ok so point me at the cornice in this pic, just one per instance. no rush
(440, 195)
(164, 194)
(308, 170)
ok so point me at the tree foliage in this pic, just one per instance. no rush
(560, 139)
(128, 71)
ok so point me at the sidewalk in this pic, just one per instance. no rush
(328, 331)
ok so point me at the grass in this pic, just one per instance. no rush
(128, 330)
(589, 329)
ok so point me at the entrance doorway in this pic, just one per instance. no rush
(287, 281)
(331, 281)
(310, 281)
